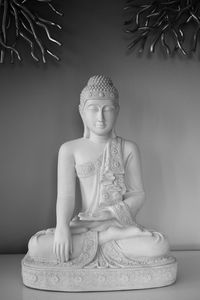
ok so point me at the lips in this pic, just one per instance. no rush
(100, 125)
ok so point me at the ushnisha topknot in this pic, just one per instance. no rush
(99, 87)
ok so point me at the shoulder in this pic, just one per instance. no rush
(69, 148)
(130, 149)
(130, 146)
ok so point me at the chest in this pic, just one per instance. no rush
(86, 154)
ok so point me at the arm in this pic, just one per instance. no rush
(126, 210)
(65, 202)
(135, 196)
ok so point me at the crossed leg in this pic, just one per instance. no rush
(133, 241)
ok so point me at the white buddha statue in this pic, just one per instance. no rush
(104, 234)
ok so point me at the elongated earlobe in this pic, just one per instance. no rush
(86, 132)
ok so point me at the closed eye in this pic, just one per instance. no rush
(109, 108)
(93, 107)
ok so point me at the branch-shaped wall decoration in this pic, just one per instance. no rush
(20, 20)
(171, 24)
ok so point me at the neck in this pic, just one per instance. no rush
(99, 139)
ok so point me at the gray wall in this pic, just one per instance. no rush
(160, 109)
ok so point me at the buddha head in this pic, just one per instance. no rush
(99, 106)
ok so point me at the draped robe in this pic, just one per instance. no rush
(105, 184)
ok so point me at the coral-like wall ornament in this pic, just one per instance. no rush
(168, 23)
(19, 21)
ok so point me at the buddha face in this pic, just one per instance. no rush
(100, 116)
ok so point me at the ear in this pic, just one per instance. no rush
(80, 108)
(117, 109)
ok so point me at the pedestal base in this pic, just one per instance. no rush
(58, 278)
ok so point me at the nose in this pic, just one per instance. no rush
(100, 115)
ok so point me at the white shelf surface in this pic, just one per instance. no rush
(187, 286)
